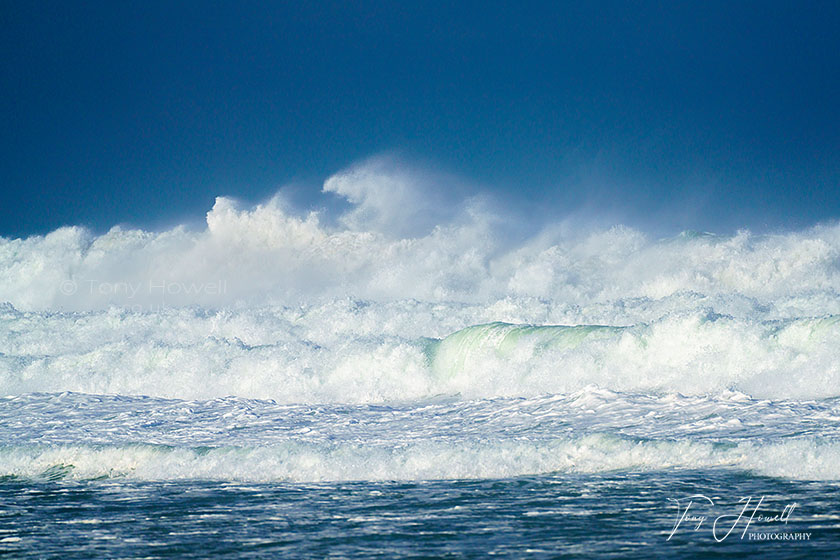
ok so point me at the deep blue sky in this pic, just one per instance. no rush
(704, 115)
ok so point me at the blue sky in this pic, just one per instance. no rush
(668, 115)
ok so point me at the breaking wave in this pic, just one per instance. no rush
(337, 353)
(557, 347)
(428, 460)
(399, 240)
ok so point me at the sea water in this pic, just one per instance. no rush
(278, 384)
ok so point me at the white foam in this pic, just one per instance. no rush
(403, 238)
(345, 352)
(69, 418)
(420, 461)
(495, 353)
(271, 302)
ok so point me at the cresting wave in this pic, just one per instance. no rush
(292, 356)
(690, 354)
(402, 239)
(807, 459)
(414, 337)
(401, 296)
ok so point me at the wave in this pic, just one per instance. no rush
(400, 241)
(427, 460)
(690, 354)
(269, 335)
(352, 352)
(404, 295)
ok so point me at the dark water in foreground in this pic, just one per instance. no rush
(619, 515)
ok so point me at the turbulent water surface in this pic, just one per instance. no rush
(385, 384)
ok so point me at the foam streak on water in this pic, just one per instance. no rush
(83, 437)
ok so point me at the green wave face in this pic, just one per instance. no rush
(507, 341)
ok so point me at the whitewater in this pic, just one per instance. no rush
(415, 338)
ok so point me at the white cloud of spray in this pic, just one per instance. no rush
(271, 302)
(406, 234)
(393, 199)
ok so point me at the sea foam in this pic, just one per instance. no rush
(397, 242)
(415, 335)
(419, 461)
(309, 355)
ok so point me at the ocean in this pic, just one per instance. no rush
(279, 384)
